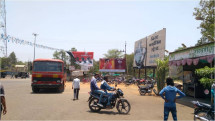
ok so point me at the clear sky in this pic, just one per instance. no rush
(97, 26)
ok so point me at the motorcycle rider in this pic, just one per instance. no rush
(105, 87)
(95, 89)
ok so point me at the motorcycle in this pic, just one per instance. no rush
(147, 89)
(122, 105)
(203, 111)
(129, 82)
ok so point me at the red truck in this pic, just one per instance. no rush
(48, 73)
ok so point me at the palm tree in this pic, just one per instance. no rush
(161, 72)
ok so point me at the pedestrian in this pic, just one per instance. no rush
(170, 98)
(3, 102)
(12, 75)
(76, 87)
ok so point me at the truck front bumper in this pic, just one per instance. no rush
(46, 85)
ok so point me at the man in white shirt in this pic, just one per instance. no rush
(76, 86)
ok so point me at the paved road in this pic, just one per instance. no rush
(22, 104)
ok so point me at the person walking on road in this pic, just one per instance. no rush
(3, 102)
(170, 97)
(76, 87)
(12, 75)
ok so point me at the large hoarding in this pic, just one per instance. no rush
(150, 48)
(112, 65)
(85, 58)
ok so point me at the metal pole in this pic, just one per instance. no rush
(146, 60)
(126, 66)
(5, 28)
(35, 35)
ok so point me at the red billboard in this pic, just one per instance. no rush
(83, 58)
(112, 65)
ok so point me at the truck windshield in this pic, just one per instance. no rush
(47, 66)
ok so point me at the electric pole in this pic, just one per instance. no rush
(35, 36)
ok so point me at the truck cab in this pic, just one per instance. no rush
(48, 73)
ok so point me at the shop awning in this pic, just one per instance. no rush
(194, 61)
(193, 55)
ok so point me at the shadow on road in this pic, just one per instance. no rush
(107, 112)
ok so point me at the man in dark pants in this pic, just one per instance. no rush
(76, 86)
(170, 97)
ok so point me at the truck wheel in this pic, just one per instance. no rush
(35, 90)
(61, 88)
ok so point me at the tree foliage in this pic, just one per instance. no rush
(129, 63)
(8, 63)
(205, 73)
(161, 72)
(12, 58)
(73, 49)
(113, 53)
(95, 68)
(4, 63)
(206, 12)
(61, 55)
(72, 60)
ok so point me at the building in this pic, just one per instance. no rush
(190, 59)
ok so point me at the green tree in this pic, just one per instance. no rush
(205, 74)
(72, 60)
(113, 53)
(61, 55)
(4, 62)
(12, 58)
(205, 12)
(180, 48)
(73, 49)
(161, 72)
(129, 63)
(95, 68)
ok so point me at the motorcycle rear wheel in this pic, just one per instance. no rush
(123, 106)
(142, 92)
(93, 105)
(202, 114)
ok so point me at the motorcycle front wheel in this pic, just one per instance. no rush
(93, 105)
(123, 106)
(202, 114)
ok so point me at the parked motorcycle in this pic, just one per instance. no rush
(122, 105)
(203, 111)
(147, 89)
(129, 81)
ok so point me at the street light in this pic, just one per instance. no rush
(35, 35)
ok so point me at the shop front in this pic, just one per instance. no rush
(190, 59)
